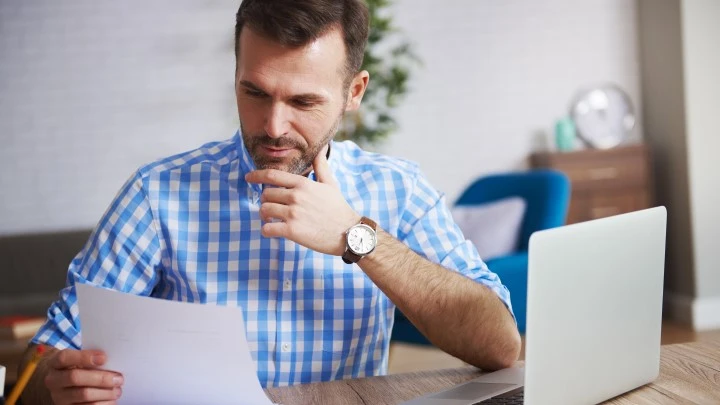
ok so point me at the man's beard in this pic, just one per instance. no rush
(298, 164)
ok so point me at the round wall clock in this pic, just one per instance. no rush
(604, 116)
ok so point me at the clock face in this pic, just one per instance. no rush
(361, 239)
(603, 116)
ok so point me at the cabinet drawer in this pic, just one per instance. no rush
(605, 205)
(611, 174)
(593, 170)
(578, 209)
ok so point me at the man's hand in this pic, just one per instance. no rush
(313, 214)
(73, 377)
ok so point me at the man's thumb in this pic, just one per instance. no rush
(323, 173)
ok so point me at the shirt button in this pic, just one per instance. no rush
(287, 284)
(286, 347)
(255, 196)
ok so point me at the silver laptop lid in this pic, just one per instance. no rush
(594, 308)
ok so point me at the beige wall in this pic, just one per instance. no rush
(701, 50)
(664, 119)
(680, 59)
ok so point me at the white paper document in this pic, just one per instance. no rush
(171, 352)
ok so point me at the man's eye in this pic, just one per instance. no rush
(254, 93)
(303, 103)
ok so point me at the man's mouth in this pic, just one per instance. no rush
(276, 152)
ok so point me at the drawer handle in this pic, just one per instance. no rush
(602, 212)
(604, 173)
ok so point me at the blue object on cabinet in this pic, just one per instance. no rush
(547, 196)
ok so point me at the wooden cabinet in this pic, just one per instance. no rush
(604, 182)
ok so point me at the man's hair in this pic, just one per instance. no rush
(295, 23)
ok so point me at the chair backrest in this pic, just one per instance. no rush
(546, 194)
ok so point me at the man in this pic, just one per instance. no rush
(317, 241)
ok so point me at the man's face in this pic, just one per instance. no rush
(290, 101)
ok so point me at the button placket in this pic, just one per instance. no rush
(253, 195)
(285, 258)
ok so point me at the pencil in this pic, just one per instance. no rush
(25, 376)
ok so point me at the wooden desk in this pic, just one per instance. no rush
(689, 373)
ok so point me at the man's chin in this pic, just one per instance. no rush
(264, 164)
(276, 166)
(293, 167)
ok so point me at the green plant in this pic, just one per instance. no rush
(388, 59)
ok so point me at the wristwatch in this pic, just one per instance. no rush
(360, 240)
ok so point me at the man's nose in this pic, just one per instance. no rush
(277, 121)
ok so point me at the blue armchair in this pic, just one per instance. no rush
(547, 196)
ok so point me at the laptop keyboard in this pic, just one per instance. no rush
(514, 397)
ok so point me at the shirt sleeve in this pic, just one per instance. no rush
(123, 254)
(427, 227)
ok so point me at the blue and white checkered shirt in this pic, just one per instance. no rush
(187, 228)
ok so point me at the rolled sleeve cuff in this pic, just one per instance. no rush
(462, 260)
(58, 331)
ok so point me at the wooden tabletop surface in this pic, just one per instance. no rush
(689, 373)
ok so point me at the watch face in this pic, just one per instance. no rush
(361, 239)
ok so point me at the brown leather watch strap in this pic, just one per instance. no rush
(369, 222)
(349, 257)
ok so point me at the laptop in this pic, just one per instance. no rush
(594, 311)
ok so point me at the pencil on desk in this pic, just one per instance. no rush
(25, 376)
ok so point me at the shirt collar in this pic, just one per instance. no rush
(246, 162)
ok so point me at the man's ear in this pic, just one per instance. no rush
(357, 90)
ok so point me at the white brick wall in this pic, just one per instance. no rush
(92, 89)
(498, 73)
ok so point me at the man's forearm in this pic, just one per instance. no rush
(35, 393)
(457, 314)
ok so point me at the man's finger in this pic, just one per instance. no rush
(277, 195)
(79, 377)
(276, 230)
(77, 358)
(105, 403)
(274, 210)
(274, 177)
(322, 168)
(84, 395)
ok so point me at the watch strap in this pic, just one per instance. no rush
(349, 257)
(369, 222)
